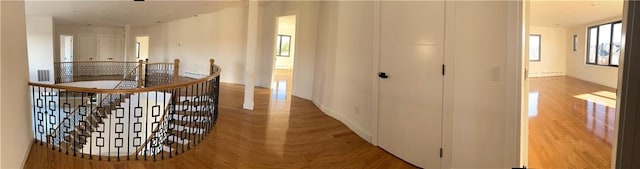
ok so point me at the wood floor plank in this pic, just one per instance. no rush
(572, 124)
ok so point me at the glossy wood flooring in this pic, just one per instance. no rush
(571, 123)
(282, 132)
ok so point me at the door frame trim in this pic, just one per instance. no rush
(626, 148)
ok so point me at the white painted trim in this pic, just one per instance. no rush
(338, 116)
(448, 93)
(516, 135)
(620, 84)
(26, 155)
(375, 95)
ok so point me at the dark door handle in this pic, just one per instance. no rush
(383, 75)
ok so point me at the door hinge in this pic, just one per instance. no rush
(443, 69)
(441, 153)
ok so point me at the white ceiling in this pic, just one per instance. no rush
(119, 13)
(573, 13)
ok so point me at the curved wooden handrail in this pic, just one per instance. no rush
(129, 91)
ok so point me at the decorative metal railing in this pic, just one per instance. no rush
(158, 73)
(66, 72)
(130, 121)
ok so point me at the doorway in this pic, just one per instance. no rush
(572, 67)
(66, 48)
(282, 82)
(142, 48)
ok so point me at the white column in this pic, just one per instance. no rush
(252, 48)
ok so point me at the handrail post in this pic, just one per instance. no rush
(176, 67)
(140, 73)
(211, 63)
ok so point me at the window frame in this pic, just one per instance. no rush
(588, 39)
(279, 41)
(539, 47)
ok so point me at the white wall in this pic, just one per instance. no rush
(16, 127)
(553, 52)
(75, 30)
(157, 43)
(220, 35)
(343, 78)
(480, 114)
(306, 27)
(1, 84)
(40, 47)
(576, 60)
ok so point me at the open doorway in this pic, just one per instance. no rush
(66, 48)
(572, 62)
(281, 83)
(142, 47)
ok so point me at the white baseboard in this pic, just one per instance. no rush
(359, 131)
(26, 156)
(546, 74)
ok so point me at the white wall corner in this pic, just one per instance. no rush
(355, 128)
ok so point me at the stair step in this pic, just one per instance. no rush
(191, 130)
(176, 145)
(181, 135)
(197, 124)
(190, 118)
(178, 139)
(192, 113)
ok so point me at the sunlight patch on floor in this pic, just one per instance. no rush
(598, 98)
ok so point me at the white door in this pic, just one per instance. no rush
(66, 48)
(87, 48)
(118, 52)
(106, 47)
(410, 103)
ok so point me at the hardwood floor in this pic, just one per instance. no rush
(281, 132)
(571, 123)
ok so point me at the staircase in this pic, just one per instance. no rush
(75, 137)
(187, 121)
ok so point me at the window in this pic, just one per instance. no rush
(535, 42)
(603, 46)
(283, 45)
